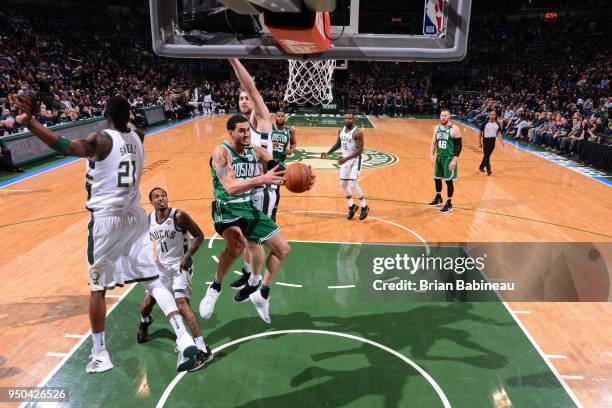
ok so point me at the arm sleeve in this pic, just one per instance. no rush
(457, 146)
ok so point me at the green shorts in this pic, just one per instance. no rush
(441, 170)
(255, 225)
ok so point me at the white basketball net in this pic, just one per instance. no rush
(310, 82)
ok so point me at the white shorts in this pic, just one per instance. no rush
(119, 251)
(350, 169)
(176, 280)
(266, 199)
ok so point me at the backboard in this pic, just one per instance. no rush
(415, 30)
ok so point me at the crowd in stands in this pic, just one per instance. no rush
(549, 81)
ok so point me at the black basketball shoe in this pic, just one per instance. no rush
(241, 281)
(245, 292)
(448, 207)
(352, 210)
(143, 330)
(436, 202)
(364, 212)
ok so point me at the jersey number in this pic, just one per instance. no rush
(127, 174)
(442, 144)
(164, 247)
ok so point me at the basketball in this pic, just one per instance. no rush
(297, 178)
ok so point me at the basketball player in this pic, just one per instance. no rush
(264, 197)
(169, 229)
(235, 217)
(445, 148)
(284, 142)
(351, 140)
(119, 250)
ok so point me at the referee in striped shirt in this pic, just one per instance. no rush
(488, 132)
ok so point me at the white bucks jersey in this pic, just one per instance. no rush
(347, 140)
(170, 241)
(113, 184)
(261, 139)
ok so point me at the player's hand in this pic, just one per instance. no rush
(452, 164)
(342, 160)
(274, 176)
(28, 107)
(324, 155)
(186, 263)
(480, 144)
(433, 158)
(289, 151)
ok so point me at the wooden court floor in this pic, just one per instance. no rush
(44, 296)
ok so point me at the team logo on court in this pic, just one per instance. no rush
(311, 155)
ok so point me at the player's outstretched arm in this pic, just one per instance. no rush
(260, 110)
(235, 186)
(185, 222)
(96, 146)
(335, 147)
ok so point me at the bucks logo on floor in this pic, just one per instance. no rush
(311, 155)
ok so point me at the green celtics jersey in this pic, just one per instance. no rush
(444, 141)
(280, 142)
(244, 168)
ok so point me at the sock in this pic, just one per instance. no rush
(176, 321)
(99, 342)
(254, 280)
(362, 202)
(145, 319)
(216, 286)
(247, 268)
(350, 202)
(265, 291)
(199, 341)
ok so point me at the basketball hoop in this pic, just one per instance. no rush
(310, 82)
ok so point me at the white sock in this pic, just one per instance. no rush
(350, 202)
(199, 341)
(99, 343)
(176, 321)
(247, 267)
(362, 202)
(254, 280)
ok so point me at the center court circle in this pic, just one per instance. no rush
(436, 387)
